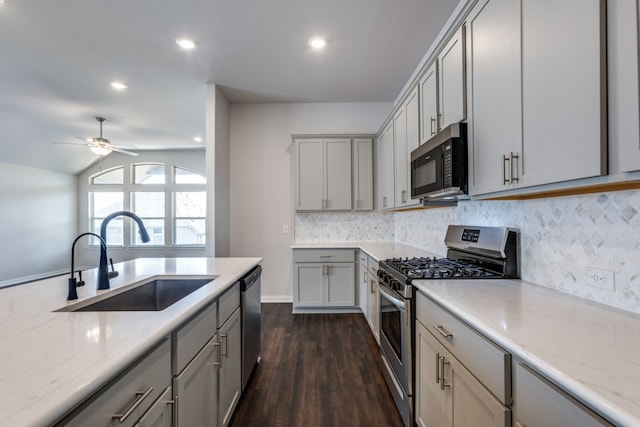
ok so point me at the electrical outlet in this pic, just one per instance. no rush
(285, 229)
(598, 278)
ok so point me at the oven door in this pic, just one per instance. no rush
(393, 335)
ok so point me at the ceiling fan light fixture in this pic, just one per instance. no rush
(99, 150)
(186, 43)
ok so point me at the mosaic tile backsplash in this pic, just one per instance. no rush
(560, 237)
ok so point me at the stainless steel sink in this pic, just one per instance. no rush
(154, 295)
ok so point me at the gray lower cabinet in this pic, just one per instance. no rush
(161, 412)
(323, 278)
(196, 389)
(126, 399)
(538, 403)
(230, 373)
(461, 378)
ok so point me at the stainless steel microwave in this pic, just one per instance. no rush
(439, 166)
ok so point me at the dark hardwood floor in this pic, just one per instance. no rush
(317, 370)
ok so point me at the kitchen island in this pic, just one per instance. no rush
(52, 361)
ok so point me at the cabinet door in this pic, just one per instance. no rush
(338, 174)
(622, 75)
(373, 307)
(385, 168)
(339, 285)
(451, 81)
(539, 404)
(473, 405)
(493, 92)
(308, 284)
(401, 191)
(563, 90)
(429, 103)
(196, 388)
(230, 367)
(160, 414)
(309, 184)
(363, 283)
(363, 173)
(430, 409)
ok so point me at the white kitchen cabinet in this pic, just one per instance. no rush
(373, 299)
(323, 174)
(429, 103)
(447, 394)
(230, 370)
(160, 414)
(196, 389)
(406, 127)
(127, 399)
(461, 378)
(533, 119)
(622, 93)
(323, 278)
(386, 161)
(494, 125)
(451, 81)
(363, 174)
(363, 282)
(538, 403)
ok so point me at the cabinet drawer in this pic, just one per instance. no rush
(228, 302)
(191, 337)
(372, 266)
(537, 402)
(324, 255)
(130, 395)
(489, 363)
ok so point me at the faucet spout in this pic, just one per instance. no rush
(73, 294)
(103, 273)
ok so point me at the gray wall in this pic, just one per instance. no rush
(38, 221)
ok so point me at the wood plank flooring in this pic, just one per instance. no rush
(317, 370)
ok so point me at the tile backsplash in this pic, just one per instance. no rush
(560, 237)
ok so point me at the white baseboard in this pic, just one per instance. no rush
(276, 298)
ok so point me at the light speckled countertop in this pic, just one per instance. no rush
(590, 350)
(52, 361)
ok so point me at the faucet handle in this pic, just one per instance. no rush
(81, 282)
(113, 273)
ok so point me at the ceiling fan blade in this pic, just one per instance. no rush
(120, 150)
(70, 143)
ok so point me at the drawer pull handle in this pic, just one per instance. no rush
(326, 256)
(443, 331)
(142, 395)
(226, 346)
(437, 367)
(442, 383)
(219, 362)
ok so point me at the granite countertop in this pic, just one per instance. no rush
(52, 361)
(588, 349)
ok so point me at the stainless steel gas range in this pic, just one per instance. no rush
(472, 253)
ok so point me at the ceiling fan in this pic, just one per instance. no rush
(99, 145)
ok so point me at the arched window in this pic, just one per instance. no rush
(171, 200)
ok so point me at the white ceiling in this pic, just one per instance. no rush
(58, 58)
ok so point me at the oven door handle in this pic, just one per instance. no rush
(394, 300)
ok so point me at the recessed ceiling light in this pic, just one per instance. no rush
(317, 42)
(119, 85)
(185, 43)
(197, 139)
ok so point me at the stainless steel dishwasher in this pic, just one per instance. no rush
(250, 300)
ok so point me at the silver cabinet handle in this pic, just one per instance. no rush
(437, 368)
(439, 122)
(384, 201)
(505, 180)
(443, 331)
(142, 395)
(226, 346)
(433, 122)
(219, 362)
(404, 196)
(326, 256)
(442, 383)
(514, 178)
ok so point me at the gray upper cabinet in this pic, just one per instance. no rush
(534, 118)
(622, 72)
(363, 174)
(451, 84)
(386, 181)
(406, 126)
(323, 174)
(429, 103)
